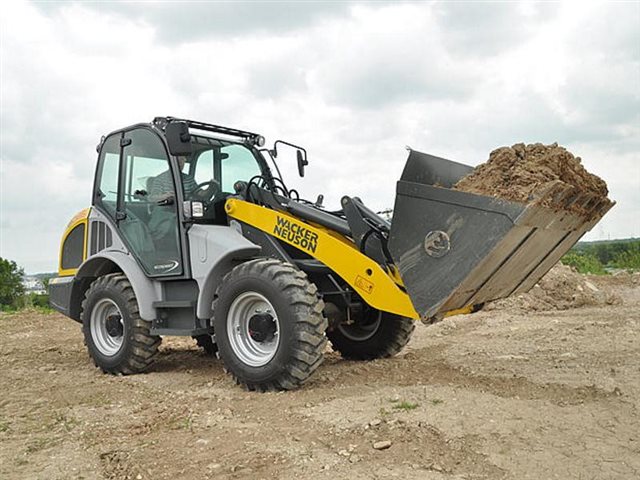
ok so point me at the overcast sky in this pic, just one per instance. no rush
(353, 82)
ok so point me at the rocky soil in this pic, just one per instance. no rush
(544, 387)
(563, 288)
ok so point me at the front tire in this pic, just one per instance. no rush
(118, 340)
(269, 325)
(374, 335)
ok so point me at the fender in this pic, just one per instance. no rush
(146, 290)
(214, 251)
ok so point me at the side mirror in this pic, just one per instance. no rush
(302, 162)
(178, 138)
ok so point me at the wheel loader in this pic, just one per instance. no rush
(193, 231)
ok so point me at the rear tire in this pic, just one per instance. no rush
(117, 339)
(376, 335)
(269, 325)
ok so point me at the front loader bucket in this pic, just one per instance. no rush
(455, 249)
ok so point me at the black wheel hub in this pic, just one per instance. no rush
(262, 328)
(114, 326)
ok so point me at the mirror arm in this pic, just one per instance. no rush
(298, 147)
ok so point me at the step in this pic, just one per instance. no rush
(174, 304)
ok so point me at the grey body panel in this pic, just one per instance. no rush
(455, 248)
(214, 250)
(146, 290)
(95, 234)
(176, 313)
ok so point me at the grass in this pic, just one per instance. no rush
(182, 423)
(405, 405)
(436, 401)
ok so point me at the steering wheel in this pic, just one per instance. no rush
(213, 189)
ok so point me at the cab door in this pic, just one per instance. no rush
(138, 191)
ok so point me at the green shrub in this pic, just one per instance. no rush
(40, 300)
(36, 301)
(584, 262)
(628, 259)
(11, 289)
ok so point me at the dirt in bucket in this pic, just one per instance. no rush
(520, 172)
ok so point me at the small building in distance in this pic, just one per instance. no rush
(33, 285)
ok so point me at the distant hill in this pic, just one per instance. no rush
(42, 276)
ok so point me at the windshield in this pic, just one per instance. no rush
(220, 162)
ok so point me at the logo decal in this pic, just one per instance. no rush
(167, 267)
(437, 244)
(296, 234)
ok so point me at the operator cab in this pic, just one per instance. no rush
(154, 180)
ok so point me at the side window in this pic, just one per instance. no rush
(107, 181)
(140, 176)
(146, 169)
(239, 165)
(204, 167)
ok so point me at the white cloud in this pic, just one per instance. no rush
(353, 82)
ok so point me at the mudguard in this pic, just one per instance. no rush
(146, 290)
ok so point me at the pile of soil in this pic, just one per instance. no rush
(560, 289)
(521, 172)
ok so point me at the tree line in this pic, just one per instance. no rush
(604, 256)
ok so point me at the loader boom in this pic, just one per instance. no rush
(368, 279)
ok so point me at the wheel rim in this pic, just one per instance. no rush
(253, 329)
(107, 327)
(359, 332)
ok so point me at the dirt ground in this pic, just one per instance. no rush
(508, 393)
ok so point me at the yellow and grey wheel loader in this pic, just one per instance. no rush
(191, 232)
